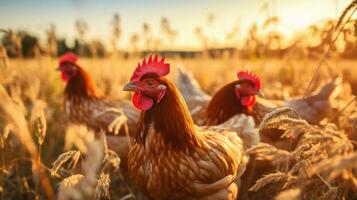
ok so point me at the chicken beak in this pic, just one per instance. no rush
(130, 87)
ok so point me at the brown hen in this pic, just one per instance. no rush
(84, 105)
(225, 103)
(171, 158)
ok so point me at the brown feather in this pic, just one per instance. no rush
(81, 85)
(223, 105)
(82, 102)
(171, 158)
(176, 125)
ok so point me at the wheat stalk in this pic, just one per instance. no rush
(270, 178)
(319, 150)
(331, 194)
(102, 187)
(353, 4)
(335, 166)
(68, 187)
(40, 128)
(15, 115)
(63, 158)
(275, 115)
(5, 134)
(267, 152)
(344, 108)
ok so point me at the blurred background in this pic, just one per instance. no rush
(245, 28)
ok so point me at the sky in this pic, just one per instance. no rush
(36, 16)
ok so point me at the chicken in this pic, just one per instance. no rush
(240, 97)
(316, 107)
(313, 108)
(171, 157)
(84, 105)
(191, 90)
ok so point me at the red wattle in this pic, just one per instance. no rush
(142, 102)
(248, 101)
(64, 76)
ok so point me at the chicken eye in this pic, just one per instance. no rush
(149, 83)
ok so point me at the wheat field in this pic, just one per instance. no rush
(41, 158)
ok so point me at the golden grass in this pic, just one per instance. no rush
(321, 162)
(320, 165)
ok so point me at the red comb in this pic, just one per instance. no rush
(68, 57)
(250, 76)
(151, 66)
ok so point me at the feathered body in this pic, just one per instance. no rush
(84, 105)
(171, 158)
(191, 90)
(313, 108)
(225, 104)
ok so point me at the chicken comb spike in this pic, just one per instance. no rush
(150, 59)
(250, 76)
(150, 66)
(68, 57)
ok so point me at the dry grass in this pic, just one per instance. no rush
(40, 157)
(320, 165)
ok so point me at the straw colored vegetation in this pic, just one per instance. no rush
(41, 158)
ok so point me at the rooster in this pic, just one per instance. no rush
(170, 157)
(240, 97)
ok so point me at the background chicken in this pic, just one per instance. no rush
(84, 105)
(225, 103)
(171, 158)
(191, 90)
